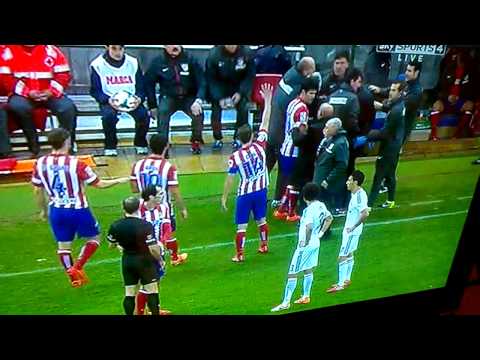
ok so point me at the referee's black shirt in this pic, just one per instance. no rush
(134, 235)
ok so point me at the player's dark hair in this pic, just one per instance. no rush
(311, 191)
(158, 143)
(401, 84)
(353, 74)
(343, 54)
(358, 176)
(131, 205)
(244, 133)
(150, 190)
(417, 65)
(57, 137)
(309, 84)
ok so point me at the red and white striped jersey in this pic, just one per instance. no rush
(63, 178)
(43, 67)
(158, 216)
(297, 115)
(250, 163)
(155, 170)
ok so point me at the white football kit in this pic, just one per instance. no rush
(358, 203)
(306, 257)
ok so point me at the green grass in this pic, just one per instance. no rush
(392, 259)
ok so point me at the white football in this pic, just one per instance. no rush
(124, 100)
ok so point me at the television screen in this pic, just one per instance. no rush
(392, 227)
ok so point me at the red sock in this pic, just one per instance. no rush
(434, 119)
(292, 201)
(240, 241)
(141, 302)
(284, 202)
(263, 230)
(87, 251)
(173, 247)
(464, 122)
(65, 257)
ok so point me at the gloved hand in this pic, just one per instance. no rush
(371, 145)
(359, 141)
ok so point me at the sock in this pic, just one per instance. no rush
(153, 302)
(284, 202)
(141, 302)
(173, 247)
(292, 201)
(350, 268)
(289, 289)
(65, 257)
(87, 251)
(464, 122)
(434, 119)
(129, 305)
(240, 241)
(342, 272)
(307, 284)
(263, 230)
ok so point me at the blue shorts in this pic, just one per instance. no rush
(66, 223)
(255, 202)
(286, 164)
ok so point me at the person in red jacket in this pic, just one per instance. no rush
(36, 76)
(455, 90)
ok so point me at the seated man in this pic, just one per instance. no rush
(37, 76)
(230, 72)
(112, 72)
(455, 91)
(182, 87)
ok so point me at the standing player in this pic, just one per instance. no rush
(156, 170)
(250, 163)
(358, 212)
(140, 254)
(297, 118)
(155, 210)
(315, 221)
(63, 177)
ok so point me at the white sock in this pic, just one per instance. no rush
(289, 289)
(350, 268)
(342, 272)
(307, 284)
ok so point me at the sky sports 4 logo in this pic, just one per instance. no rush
(413, 49)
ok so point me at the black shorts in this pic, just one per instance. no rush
(138, 267)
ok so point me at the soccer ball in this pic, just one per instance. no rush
(124, 100)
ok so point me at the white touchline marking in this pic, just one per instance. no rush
(464, 197)
(426, 202)
(230, 243)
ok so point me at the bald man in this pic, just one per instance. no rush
(288, 89)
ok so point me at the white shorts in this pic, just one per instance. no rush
(349, 243)
(303, 259)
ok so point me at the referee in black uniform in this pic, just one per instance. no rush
(141, 254)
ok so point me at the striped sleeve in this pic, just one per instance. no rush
(86, 174)
(172, 177)
(262, 138)
(232, 166)
(35, 178)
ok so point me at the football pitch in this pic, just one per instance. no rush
(405, 249)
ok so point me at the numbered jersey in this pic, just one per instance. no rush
(63, 178)
(250, 163)
(154, 170)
